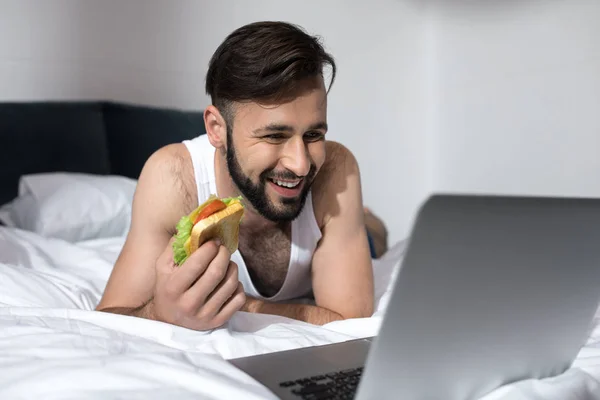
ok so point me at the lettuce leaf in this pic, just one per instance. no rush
(184, 230)
(229, 200)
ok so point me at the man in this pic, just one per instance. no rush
(303, 232)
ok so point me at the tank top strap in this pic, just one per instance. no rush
(202, 154)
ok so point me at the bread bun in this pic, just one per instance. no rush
(223, 225)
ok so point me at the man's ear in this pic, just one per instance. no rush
(216, 127)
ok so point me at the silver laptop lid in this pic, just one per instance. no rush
(491, 290)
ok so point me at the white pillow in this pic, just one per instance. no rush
(72, 206)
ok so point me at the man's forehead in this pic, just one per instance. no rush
(306, 109)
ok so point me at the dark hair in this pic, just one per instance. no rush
(264, 61)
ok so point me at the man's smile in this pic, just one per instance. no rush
(287, 188)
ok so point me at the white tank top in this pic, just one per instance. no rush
(305, 230)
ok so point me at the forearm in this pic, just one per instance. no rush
(146, 310)
(302, 312)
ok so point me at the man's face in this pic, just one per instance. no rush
(275, 151)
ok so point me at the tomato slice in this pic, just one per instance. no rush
(215, 206)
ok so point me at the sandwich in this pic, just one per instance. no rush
(214, 219)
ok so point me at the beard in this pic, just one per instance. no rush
(256, 194)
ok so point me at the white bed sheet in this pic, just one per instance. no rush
(53, 345)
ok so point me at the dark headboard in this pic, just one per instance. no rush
(94, 137)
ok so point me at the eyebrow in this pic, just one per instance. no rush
(288, 128)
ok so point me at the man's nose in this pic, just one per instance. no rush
(296, 158)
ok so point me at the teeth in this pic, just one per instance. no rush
(287, 184)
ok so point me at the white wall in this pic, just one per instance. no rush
(517, 105)
(454, 95)
(156, 52)
(150, 52)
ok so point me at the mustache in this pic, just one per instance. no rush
(288, 175)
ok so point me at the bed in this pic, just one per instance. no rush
(63, 224)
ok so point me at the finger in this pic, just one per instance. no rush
(212, 277)
(223, 291)
(196, 264)
(164, 262)
(232, 305)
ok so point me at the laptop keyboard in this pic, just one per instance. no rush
(339, 385)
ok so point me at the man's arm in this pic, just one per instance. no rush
(157, 205)
(302, 312)
(341, 267)
(145, 310)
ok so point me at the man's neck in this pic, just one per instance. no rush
(252, 220)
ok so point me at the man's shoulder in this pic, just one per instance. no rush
(172, 155)
(170, 170)
(338, 156)
(340, 164)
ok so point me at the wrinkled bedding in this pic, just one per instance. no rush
(54, 345)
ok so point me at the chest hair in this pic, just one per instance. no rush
(267, 256)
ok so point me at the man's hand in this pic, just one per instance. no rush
(203, 293)
(302, 312)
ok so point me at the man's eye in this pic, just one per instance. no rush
(314, 136)
(275, 136)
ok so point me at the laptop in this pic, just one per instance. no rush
(491, 290)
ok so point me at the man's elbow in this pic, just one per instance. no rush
(362, 311)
